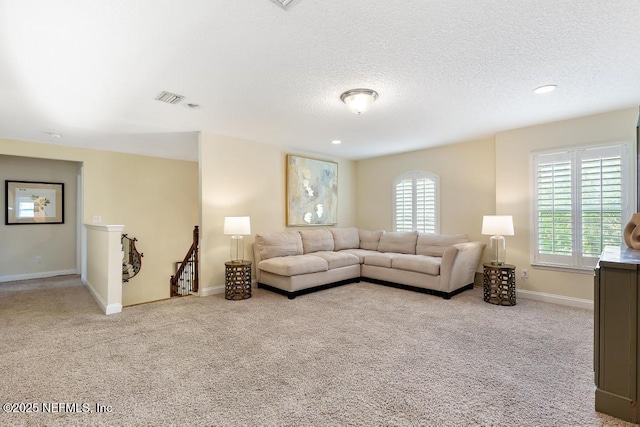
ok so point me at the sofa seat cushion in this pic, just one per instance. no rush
(360, 253)
(294, 265)
(338, 259)
(418, 263)
(380, 259)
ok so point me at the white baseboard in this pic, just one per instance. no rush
(214, 290)
(107, 308)
(555, 299)
(41, 275)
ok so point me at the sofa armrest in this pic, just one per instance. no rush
(459, 264)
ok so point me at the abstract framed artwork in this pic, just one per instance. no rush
(312, 191)
(30, 202)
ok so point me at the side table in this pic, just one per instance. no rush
(237, 280)
(500, 284)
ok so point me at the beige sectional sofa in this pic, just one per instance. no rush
(295, 263)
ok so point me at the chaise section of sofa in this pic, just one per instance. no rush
(294, 263)
(288, 264)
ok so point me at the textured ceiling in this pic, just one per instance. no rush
(446, 70)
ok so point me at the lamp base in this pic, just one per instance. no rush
(498, 250)
(237, 248)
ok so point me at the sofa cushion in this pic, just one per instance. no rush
(398, 242)
(380, 259)
(316, 240)
(435, 244)
(360, 253)
(369, 239)
(273, 245)
(418, 263)
(294, 265)
(345, 238)
(338, 259)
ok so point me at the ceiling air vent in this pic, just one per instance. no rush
(169, 98)
(283, 3)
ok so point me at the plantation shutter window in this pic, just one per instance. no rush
(581, 203)
(416, 202)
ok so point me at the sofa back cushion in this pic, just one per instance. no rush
(435, 244)
(345, 238)
(271, 245)
(369, 239)
(316, 240)
(401, 242)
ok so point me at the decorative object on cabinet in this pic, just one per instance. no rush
(497, 226)
(312, 191)
(237, 227)
(631, 232)
(131, 258)
(30, 202)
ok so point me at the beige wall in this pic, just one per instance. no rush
(513, 191)
(245, 178)
(155, 199)
(55, 244)
(467, 185)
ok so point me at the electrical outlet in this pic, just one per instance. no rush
(525, 274)
(96, 219)
(38, 260)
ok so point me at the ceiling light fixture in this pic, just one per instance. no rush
(359, 100)
(283, 3)
(545, 89)
(336, 142)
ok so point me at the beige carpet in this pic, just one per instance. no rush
(360, 354)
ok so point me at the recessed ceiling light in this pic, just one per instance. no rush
(336, 142)
(545, 89)
(53, 134)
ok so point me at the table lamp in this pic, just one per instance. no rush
(236, 227)
(497, 226)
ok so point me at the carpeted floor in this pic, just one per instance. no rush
(360, 354)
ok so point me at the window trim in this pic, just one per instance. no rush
(629, 164)
(417, 174)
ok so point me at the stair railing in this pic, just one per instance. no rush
(185, 281)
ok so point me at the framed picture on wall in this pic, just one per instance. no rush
(312, 192)
(30, 202)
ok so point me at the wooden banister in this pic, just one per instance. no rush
(185, 281)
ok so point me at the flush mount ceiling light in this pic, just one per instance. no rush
(169, 98)
(359, 100)
(283, 3)
(545, 89)
(336, 142)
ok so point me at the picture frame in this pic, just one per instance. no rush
(312, 191)
(33, 202)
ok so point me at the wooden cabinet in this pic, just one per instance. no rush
(616, 333)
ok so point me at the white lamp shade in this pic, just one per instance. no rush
(237, 225)
(497, 225)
